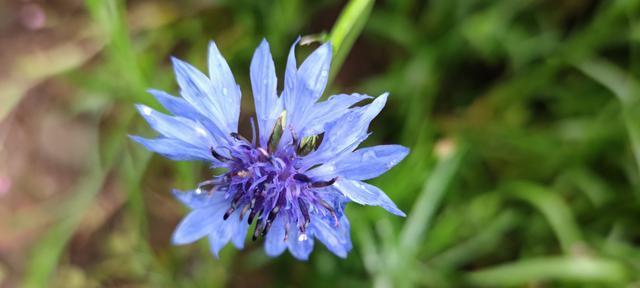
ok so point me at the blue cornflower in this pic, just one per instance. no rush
(292, 187)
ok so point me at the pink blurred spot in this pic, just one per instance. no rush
(5, 185)
(33, 16)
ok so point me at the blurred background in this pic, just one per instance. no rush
(523, 118)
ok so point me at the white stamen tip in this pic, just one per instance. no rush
(302, 237)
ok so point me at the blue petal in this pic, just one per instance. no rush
(300, 248)
(334, 198)
(221, 235)
(328, 111)
(366, 194)
(240, 233)
(176, 149)
(209, 211)
(195, 200)
(196, 225)
(263, 83)
(240, 227)
(291, 70)
(363, 164)
(176, 105)
(289, 97)
(345, 134)
(275, 243)
(311, 79)
(336, 238)
(226, 91)
(176, 127)
(179, 107)
(313, 74)
(197, 89)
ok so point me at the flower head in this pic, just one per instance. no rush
(291, 184)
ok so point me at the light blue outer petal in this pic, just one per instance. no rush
(179, 107)
(300, 249)
(363, 164)
(240, 233)
(334, 198)
(345, 134)
(197, 224)
(289, 98)
(336, 238)
(328, 111)
(176, 149)
(311, 79)
(226, 92)
(198, 90)
(220, 231)
(313, 75)
(274, 243)
(199, 200)
(176, 127)
(219, 238)
(233, 229)
(288, 93)
(366, 194)
(264, 83)
(176, 105)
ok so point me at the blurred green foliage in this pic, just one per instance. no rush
(523, 118)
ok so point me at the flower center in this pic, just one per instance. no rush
(264, 185)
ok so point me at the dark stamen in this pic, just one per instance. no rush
(256, 207)
(252, 215)
(302, 178)
(305, 213)
(325, 204)
(270, 218)
(274, 212)
(281, 200)
(256, 231)
(217, 155)
(239, 137)
(228, 213)
(331, 211)
(234, 204)
(320, 184)
(266, 229)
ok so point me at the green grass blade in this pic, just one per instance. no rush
(347, 29)
(625, 89)
(428, 201)
(480, 244)
(573, 269)
(553, 207)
